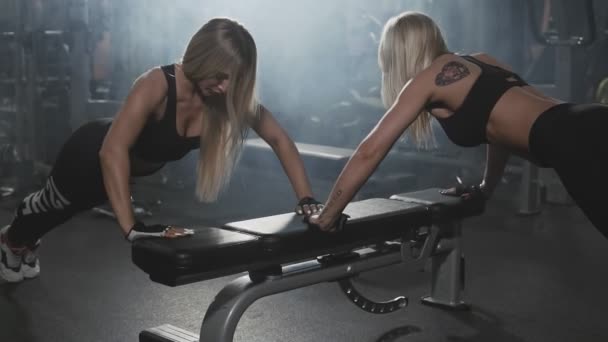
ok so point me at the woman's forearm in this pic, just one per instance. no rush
(354, 175)
(115, 168)
(496, 160)
(293, 166)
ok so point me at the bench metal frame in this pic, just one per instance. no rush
(447, 281)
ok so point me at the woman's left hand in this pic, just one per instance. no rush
(308, 206)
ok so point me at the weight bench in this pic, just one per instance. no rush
(281, 253)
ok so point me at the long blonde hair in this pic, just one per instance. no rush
(409, 44)
(222, 45)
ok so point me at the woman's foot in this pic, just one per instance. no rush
(10, 259)
(30, 265)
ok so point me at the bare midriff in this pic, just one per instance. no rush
(512, 118)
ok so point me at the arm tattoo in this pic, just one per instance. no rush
(334, 198)
(451, 72)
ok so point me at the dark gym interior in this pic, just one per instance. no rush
(535, 266)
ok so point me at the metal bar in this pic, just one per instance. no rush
(447, 278)
(530, 199)
(231, 302)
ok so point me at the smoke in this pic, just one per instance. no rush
(312, 55)
(317, 60)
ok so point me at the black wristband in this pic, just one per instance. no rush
(140, 230)
(476, 192)
(140, 226)
(308, 201)
(137, 226)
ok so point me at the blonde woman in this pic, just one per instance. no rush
(477, 100)
(207, 101)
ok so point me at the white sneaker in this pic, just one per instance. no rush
(30, 264)
(10, 261)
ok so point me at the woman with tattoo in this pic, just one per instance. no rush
(477, 100)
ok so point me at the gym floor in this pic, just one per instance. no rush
(539, 278)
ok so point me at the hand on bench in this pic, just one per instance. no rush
(466, 192)
(336, 226)
(308, 206)
(142, 231)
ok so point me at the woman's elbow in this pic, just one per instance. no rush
(109, 154)
(368, 151)
(280, 142)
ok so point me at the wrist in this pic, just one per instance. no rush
(137, 225)
(485, 189)
(304, 196)
(127, 228)
(127, 223)
(141, 231)
(326, 219)
(484, 185)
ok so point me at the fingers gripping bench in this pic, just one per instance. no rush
(280, 253)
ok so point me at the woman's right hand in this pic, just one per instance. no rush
(142, 231)
(467, 192)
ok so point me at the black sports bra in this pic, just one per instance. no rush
(159, 140)
(467, 125)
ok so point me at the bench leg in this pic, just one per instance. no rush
(226, 310)
(167, 333)
(447, 267)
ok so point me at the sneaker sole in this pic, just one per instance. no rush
(10, 275)
(30, 272)
(7, 273)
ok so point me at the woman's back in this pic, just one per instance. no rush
(485, 92)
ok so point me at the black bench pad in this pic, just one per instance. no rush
(443, 207)
(209, 253)
(371, 220)
(263, 242)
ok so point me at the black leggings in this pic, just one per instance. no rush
(570, 139)
(74, 185)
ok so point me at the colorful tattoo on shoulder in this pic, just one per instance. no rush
(450, 73)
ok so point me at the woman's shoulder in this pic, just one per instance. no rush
(153, 74)
(152, 80)
(149, 87)
(442, 60)
(491, 60)
(454, 60)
